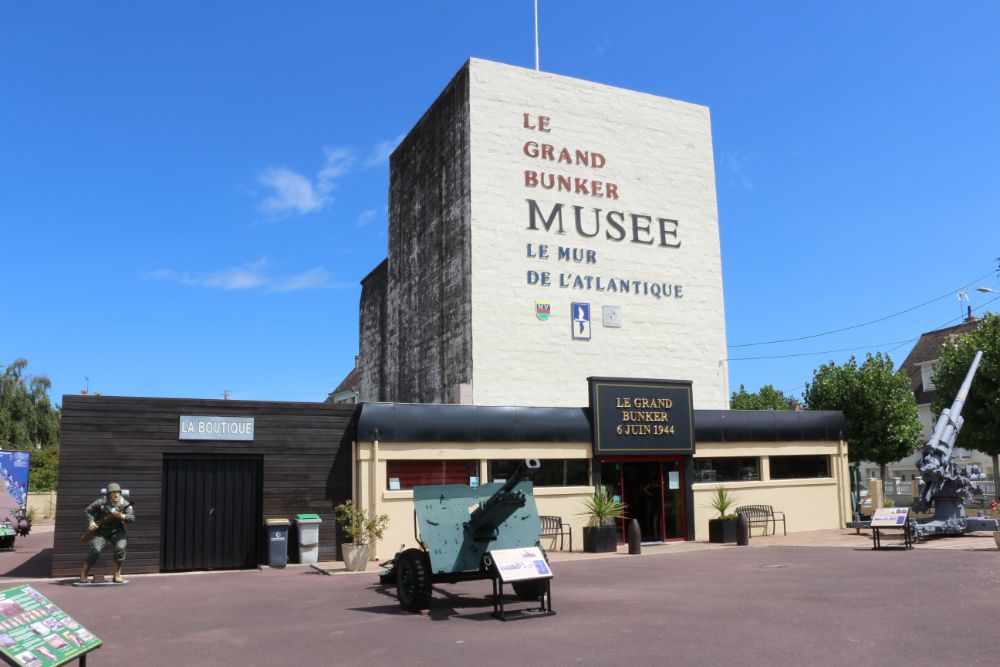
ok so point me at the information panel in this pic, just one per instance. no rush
(14, 474)
(36, 633)
(521, 564)
(890, 517)
(641, 416)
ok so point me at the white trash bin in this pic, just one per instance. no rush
(308, 529)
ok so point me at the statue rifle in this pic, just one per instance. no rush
(89, 535)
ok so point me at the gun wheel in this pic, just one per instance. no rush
(413, 580)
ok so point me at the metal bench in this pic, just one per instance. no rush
(762, 515)
(553, 526)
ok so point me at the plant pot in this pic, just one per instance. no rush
(600, 539)
(723, 531)
(356, 556)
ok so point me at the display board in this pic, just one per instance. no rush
(521, 564)
(890, 517)
(633, 416)
(14, 482)
(36, 633)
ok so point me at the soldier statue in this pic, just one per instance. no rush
(106, 518)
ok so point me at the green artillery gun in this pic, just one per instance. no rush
(457, 526)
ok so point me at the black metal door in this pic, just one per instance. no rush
(212, 509)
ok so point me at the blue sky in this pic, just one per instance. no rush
(190, 192)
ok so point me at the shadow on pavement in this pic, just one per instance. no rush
(31, 558)
(446, 605)
(38, 566)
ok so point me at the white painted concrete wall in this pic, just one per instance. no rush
(658, 153)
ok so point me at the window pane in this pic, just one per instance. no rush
(727, 469)
(553, 472)
(799, 467)
(402, 475)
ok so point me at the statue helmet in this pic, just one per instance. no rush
(114, 486)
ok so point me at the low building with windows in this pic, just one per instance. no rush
(204, 474)
(794, 461)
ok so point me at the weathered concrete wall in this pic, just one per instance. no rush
(426, 346)
(373, 342)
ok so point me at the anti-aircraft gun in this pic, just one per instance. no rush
(457, 526)
(947, 486)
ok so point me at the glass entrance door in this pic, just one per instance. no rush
(652, 490)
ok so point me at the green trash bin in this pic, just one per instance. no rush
(308, 530)
(7, 537)
(277, 541)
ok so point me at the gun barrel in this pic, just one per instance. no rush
(519, 472)
(492, 512)
(935, 457)
(963, 392)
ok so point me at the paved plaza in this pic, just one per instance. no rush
(821, 598)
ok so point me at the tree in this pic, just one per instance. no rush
(768, 398)
(981, 412)
(878, 405)
(30, 423)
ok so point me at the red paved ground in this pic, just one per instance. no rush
(791, 605)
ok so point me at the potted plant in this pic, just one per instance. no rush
(723, 528)
(362, 531)
(601, 509)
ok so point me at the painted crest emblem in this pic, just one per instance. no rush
(542, 310)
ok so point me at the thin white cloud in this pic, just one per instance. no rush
(382, 151)
(315, 278)
(338, 162)
(365, 217)
(290, 191)
(251, 276)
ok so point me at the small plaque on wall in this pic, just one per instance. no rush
(633, 416)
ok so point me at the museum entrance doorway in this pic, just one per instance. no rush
(653, 490)
(212, 509)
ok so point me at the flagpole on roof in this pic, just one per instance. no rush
(536, 35)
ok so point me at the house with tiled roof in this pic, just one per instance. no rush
(350, 388)
(919, 365)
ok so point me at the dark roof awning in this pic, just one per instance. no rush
(432, 422)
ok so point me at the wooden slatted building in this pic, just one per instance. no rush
(199, 504)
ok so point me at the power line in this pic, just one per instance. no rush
(863, 324)
(898, 343)
(809, 354)
(950, 322)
